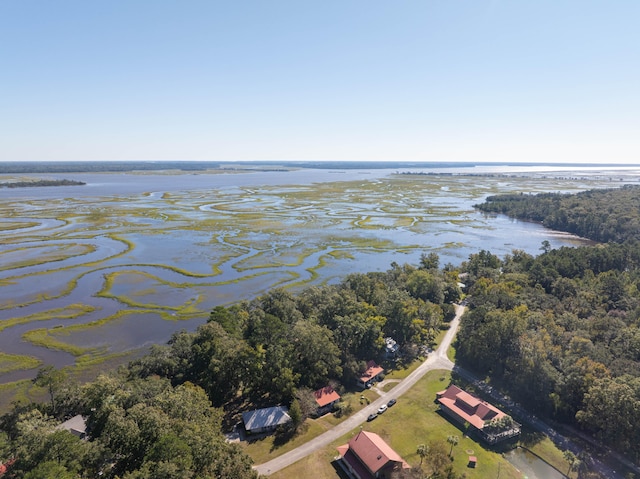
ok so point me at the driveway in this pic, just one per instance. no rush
(436, 360)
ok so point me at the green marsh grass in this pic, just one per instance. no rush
(17, 362)
(71, 311)
(50, 338)
(262, 226)
(43, 337)
(10, 226)
(51, 257)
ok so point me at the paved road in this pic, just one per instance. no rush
(436, 360)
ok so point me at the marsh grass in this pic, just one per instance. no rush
(275, 259)
(60, 253)
(16, 362)
(52, 338)
(19, 392)
(12, 226)
(339, 254)
(44, 337)
(71, 311)
(262, 238)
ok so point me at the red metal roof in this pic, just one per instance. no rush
(372, 371)
(467, 407)
(325, 396)
(373, 452)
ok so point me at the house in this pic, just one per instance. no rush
(4, 468)
(372, 374)
(390, 348)
(367, 456)
(76, 426)
(483, 417)
(326, 398)
(265, 420)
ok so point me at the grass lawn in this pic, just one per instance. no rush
(389, 386)
(412, 421)
(403, 372)
(266, 448)
(544, 447)
(318, 466)
(355, 399)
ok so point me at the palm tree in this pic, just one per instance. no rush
(573, 461)
(453, 440)
(583, 463)
(423, 451)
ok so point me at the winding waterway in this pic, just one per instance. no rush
(89, 273)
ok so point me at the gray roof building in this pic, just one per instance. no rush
(76, 426)
(264, 420)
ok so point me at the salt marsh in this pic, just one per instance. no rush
(88, 273)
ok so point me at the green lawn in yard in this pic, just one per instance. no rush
(353, 398)
(318, 466)
(403, 371)
(544, 447)
(389, 386)
(412, 421)
(266, 448)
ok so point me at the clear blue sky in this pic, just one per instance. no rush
(468, 80)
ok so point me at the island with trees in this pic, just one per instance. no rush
(40, 183)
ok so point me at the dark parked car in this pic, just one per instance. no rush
(391, 403)
(372, 417)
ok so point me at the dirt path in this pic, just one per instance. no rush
(436, 360)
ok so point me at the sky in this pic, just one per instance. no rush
(422, 80)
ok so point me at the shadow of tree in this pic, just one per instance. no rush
(285, 434)
(530, 438)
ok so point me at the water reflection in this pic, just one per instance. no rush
(162, 246)
(531, 466)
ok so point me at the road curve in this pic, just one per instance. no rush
(436, 360)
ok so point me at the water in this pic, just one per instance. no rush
(167, 248)
(531, 466)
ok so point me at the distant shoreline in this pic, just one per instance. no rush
(13, 167)
(39, 183)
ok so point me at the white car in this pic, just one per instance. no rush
(382, 409)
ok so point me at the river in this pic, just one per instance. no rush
(96, 271)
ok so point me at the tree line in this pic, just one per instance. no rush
(561, 331)
(604, 215)
(27, 184)
(162, 415)
(267, 349)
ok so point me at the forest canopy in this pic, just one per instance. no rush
(162, 416)
(601, 215)
(559, 332)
